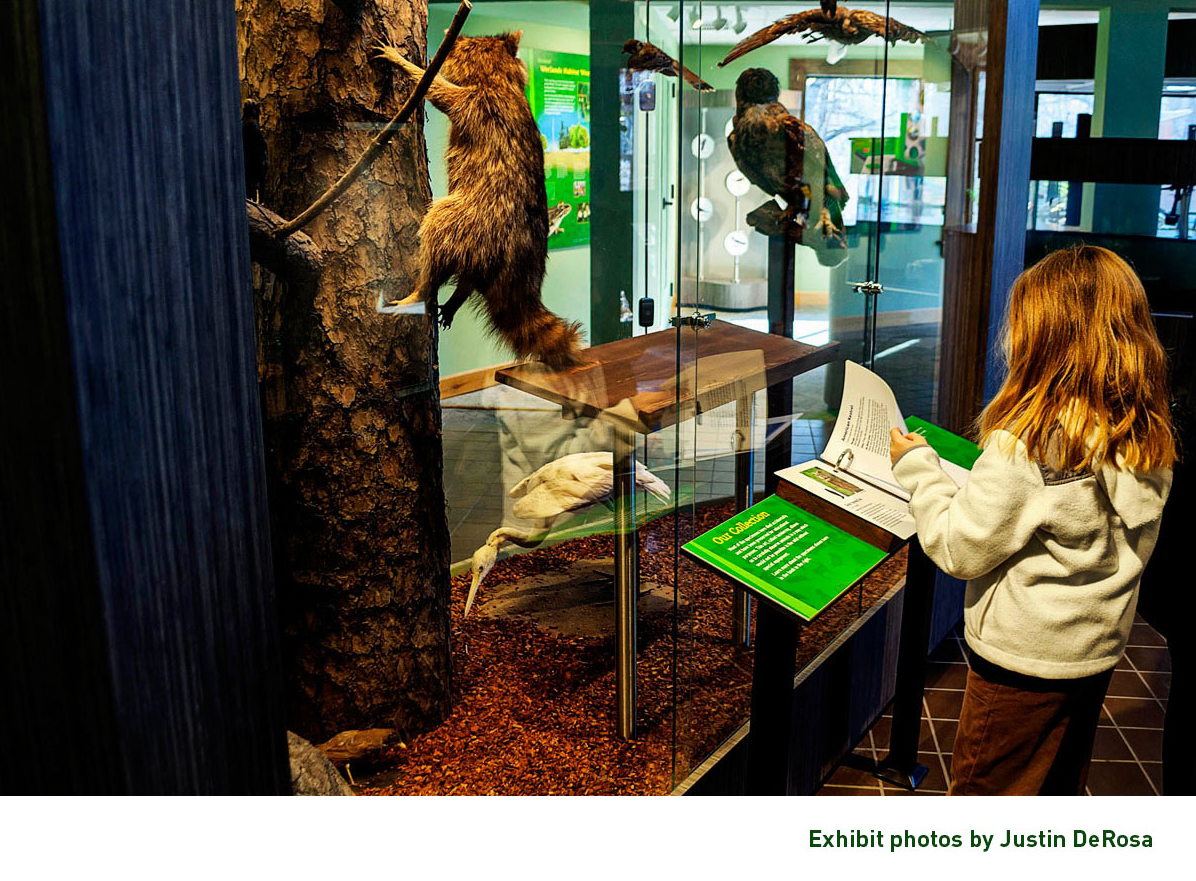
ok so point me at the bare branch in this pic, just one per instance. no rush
(294, 259)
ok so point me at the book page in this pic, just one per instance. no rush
(867, 412)
(864, 501)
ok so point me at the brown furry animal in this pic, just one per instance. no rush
(491, 231)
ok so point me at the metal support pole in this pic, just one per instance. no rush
(901, 765)
(773, 730)
(626, 581)
(741, 600)
(778, 453)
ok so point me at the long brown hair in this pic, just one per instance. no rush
(1087, 378)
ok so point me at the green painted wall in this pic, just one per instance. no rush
(467, 345)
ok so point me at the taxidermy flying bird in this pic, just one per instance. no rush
(570, 483)
(645, 56)
(783, 156)
(831, 22)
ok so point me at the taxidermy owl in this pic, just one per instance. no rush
(783, 156)
(831, 22)
(645, 56)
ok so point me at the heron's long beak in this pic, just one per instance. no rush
(473, 591)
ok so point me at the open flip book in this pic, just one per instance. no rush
(854, 470)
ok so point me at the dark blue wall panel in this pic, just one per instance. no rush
(143, 106)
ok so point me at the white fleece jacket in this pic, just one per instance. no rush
(1052, 560)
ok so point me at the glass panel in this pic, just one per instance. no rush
(542, 635)
(726, 260)
(912, 198)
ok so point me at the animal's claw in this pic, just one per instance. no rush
(390, 52)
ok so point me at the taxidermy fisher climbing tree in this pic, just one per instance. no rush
(350, 394)
(491, 231)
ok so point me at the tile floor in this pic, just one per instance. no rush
(1126, 759)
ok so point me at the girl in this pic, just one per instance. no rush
(1054, 525)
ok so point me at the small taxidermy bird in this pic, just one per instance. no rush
(491, 231)
(831, 22)
(569, 483)
(645, 56)
(256, 157)
(783, 156)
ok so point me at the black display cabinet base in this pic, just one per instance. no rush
(777, 725)
(901, 765)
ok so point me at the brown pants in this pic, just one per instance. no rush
(1021, 735)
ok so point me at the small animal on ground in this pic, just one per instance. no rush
(490, 232)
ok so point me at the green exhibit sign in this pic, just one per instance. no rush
(558, 90)
(786, 554)
(908, 154)
(951, 447)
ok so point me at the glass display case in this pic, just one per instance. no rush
(529, 294)
(722, 240)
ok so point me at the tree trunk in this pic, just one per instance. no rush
(350, 395)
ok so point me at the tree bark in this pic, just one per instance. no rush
(350, 395)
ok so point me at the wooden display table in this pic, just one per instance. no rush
(644, 384)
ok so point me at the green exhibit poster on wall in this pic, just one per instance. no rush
(951, 447)
(787, 555)
(558, 89)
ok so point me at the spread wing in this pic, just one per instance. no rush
(890, 28)
(693, 79)
(790, 24)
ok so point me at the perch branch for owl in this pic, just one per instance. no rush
(388, 132)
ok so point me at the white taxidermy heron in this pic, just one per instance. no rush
(570, 483)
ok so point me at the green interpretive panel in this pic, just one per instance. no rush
(955, 449)
(787, 555)
(559, 93)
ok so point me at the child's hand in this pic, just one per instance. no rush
(899, 443)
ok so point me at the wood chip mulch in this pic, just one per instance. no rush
(533, 712)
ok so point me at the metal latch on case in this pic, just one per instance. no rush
(697, 320)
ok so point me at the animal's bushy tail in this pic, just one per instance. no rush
(533, 332)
